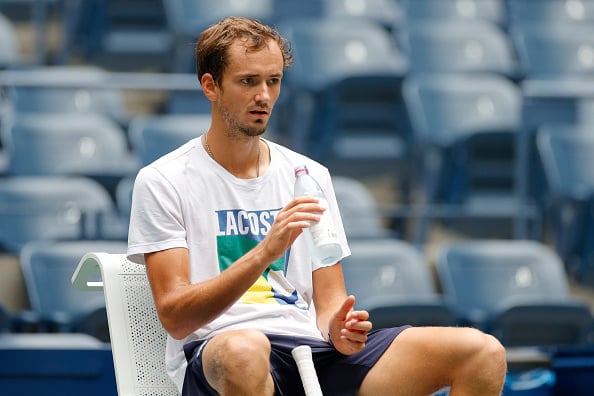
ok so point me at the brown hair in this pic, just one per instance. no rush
(213, 43)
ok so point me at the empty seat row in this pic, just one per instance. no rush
(516, 290)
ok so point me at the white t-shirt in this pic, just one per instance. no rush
(186, 199)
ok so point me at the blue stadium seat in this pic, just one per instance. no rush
(566, 152)
(465, 127)
(88, 145)
(387, 13)
(360, 212)
(391, 280)
(345, 106)
(123, 199)
(10, 51)
(47, 267)
(461, 11)
(129, 35)
(546, 12)
(187, 18)
(55, 208)
(451, 46)
(555, 50)
(515, 289)
(68, 89)
(153, 136)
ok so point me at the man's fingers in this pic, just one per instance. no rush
(347, 306)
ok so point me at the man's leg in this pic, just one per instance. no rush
(238, 363)
(422, 360)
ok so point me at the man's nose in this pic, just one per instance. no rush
(263, 94)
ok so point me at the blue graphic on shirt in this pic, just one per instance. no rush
(241, 230)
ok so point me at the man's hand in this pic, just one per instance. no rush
(289, 223)
(349, 328)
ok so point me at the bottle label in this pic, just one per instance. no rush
(323, 232)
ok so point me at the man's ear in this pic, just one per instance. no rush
(209, 87)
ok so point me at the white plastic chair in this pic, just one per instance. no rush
(137, 337)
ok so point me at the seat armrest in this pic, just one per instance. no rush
(88, 275)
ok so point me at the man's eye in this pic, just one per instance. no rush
(273, 81)
(246, 81)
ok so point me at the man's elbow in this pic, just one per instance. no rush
(173, 324)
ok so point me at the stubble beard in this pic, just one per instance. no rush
(235, 129)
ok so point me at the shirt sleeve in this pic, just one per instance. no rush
(156, 221)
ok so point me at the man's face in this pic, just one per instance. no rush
(249, 88)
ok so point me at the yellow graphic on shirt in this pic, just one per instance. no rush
(259, 293)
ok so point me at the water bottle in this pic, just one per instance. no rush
(321, 237)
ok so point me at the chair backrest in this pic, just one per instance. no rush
(545, 12)
(72, 89)
(466, 127)
(358, 207)
(47, 267)
(10, 53)
(390, 269)
(566, 153)
(54, 208)
(444, 108)
(391, 280)
(349, 72)
(555, 50)
(450, 46)
(460, 10)
(183, 14)
(68, 144)
(387, 13)
(137, 337)
(152, 137)
(479, 278)
(329, 50)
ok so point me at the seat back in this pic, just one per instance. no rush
(450, 46)
(10, 53)
(479, 277)
(137, 337)
(387, 13)
(546, 12)
(152, 137)
(516, 290)
(47, 267)
(391, 280)
(466, 126)
(69, 144)
(359, 210)
(345, 108)
(329, 50)
(566, 152)
(55, 208)
(461, 11)
(69, 89)
(555, 50)
(445, 108)
(187, 18)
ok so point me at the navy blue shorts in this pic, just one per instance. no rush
(339, 374)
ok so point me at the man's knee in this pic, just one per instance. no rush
(244, 348)
(488, 356)
(233, 356)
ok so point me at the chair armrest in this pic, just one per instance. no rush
(87, 272)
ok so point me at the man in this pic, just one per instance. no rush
(218, 228)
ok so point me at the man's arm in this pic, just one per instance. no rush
(344, 327)
(184, 307)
